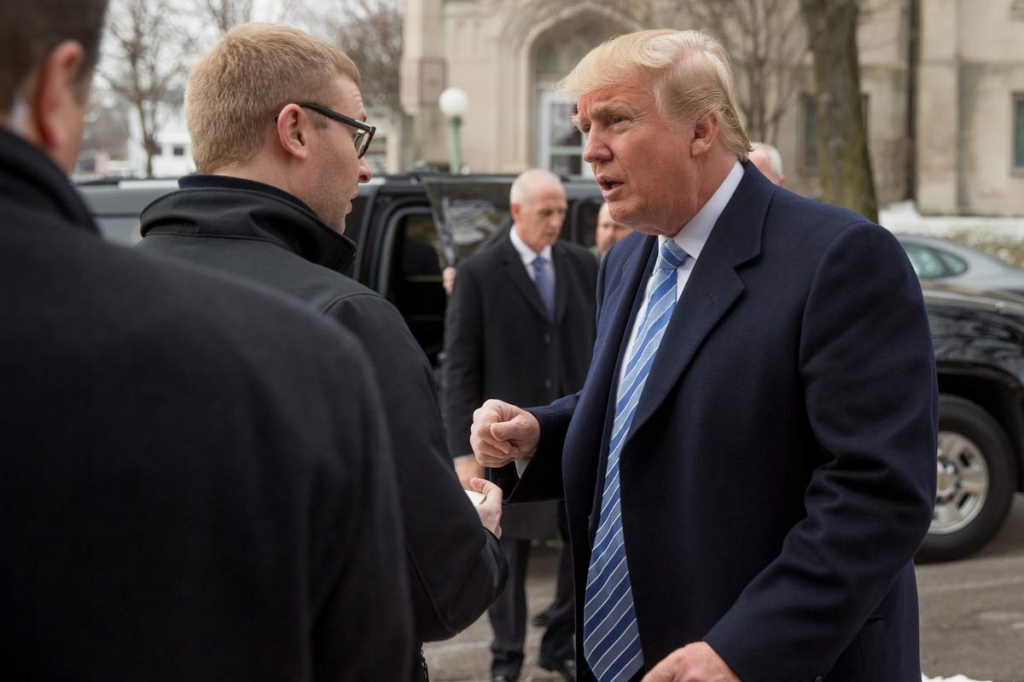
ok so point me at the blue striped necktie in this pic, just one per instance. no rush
(611, 640)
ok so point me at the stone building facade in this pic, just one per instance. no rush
(943, 84)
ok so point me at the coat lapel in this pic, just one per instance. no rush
(713, 288)
(515, 270)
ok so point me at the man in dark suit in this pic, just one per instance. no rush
(750, 467)
(279, 134)
(520, 327)
(179, 499)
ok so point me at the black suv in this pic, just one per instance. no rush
(408, 226)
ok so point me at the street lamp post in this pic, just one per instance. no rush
(453, 103)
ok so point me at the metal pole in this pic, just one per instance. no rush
(455, 165)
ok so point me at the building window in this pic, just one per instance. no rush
(1018, 131)
(559, 145)
(178, 150)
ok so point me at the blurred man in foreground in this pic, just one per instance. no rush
(760, 411)
(279, 134)
(179, 500)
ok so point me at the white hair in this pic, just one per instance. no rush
(774, 157)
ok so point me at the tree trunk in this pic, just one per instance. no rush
(846, 176)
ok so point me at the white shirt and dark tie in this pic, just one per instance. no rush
(610, 636)
(540, 267)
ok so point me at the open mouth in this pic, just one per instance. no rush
(607, 184)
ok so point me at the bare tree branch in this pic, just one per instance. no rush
(148, 50)
(370, 32)
(764, 42)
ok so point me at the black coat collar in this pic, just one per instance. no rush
(29, 177)
(249, 213)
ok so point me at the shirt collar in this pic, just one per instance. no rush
(695, 233)
(525, 252)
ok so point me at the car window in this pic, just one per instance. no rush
(954, 264)
(926, 261)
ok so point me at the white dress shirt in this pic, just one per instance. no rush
(692, 238)
(528, 255)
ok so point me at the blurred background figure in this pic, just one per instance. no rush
(768, 161)
(520, 326)
(607, 233)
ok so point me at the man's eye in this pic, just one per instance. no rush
(617, 119)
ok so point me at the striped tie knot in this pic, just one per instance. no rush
(671, 256)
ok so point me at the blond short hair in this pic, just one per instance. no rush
(688, 71)
(235, 91)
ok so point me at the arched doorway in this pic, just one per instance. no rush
(559, 146)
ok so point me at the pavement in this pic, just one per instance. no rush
(972, 617)
(467, 657)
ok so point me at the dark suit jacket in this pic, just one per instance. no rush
(500, 342)
(457, 567)
(779, 473)
(180, 499)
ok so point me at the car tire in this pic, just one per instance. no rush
(976, 481)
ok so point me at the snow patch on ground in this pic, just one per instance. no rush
(903, 217)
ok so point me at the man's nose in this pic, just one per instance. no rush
(594, 149)
(364, 170)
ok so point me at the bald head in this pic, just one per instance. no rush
(529, 182)
(768, 161)
(538, 206)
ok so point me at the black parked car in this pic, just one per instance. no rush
(407, 227)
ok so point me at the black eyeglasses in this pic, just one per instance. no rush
(365, 131)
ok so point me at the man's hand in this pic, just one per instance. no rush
(490, 508)
(695, 662)
(467, 468)
(502, 433)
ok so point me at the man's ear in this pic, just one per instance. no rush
(55, 99)
(516, 209)
(293, 130)
(705, 134)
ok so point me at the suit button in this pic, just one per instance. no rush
(819, 679)
(547, 383)
(547, 339)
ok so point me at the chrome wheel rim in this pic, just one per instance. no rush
(963, 483)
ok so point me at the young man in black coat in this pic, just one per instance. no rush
(179, 499)
(278, 135)
(520, 327)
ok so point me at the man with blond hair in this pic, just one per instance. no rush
(279, 135)
(179, 500)
(520, 327)
(750, 467)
